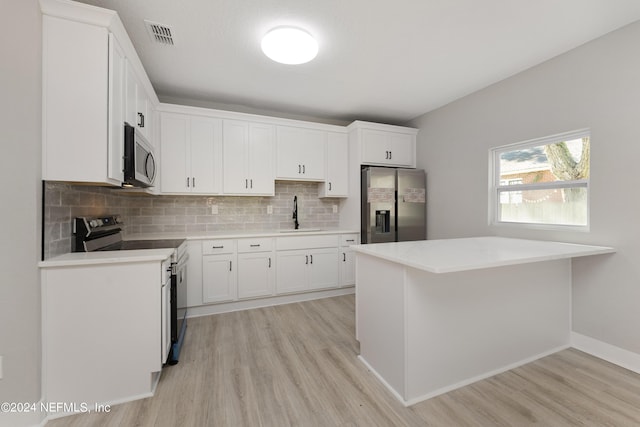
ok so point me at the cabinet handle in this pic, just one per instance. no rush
(311, 258)
(269, 262)
(141, 120)
(299, 169)
(329, 186)
(344, 257)
(246, 183)
(217, 247)
(193, 180)
(386, 155)
(350, 240)
(251, 183)
(254, 246)
(390, 155)
(187, 182)
(230, 265)
(303, 169)
(307, 259)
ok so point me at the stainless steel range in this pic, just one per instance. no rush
(105, 234)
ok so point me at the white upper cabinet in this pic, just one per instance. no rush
(85, 57)
(137, 105)
(117, 78)
(384, 145)
(248, 158)
(191, 154)
(300, 154)
(336, 183)
(75, 96)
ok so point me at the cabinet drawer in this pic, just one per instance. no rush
(307, 242)
(262, 244)
(348, 239)
(221, 246)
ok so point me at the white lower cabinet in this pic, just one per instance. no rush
(256, 268)
(259, 267)
(292, 271)
(323, 268)
(307, 263)
(219, 278)
(307, 269)
(347, 259)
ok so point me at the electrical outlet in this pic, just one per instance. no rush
(335, 208)
(269, 210)
(214, 209)
(210, 201)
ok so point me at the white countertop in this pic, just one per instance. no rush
(451, 255)
(238, 234)
(142, 255)
(107, 257)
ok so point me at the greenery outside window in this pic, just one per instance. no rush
(543, 181)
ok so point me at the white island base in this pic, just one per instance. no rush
(432, 316)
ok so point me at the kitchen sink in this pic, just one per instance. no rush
(300, 230)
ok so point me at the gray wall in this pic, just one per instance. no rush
(20, 118)
(595, 86)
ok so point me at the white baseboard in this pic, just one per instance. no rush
(616, 355)
(462, 383)
(208, 310)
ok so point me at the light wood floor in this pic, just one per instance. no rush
(295, 365)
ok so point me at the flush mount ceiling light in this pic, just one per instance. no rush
(289, 45)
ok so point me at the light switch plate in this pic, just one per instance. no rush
(214, 209)
(335, 208)
(269, 210)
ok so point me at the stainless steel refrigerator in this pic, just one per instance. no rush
(393, 205)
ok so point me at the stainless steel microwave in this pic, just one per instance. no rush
(139, 163)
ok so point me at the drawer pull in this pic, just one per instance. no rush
(217, 247)
(307, 259)
(344, 257)
(311, 258)
(254, 246)
(229, 265)
(269, 262)
(350, 240)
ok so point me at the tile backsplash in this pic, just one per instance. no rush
(144, 213)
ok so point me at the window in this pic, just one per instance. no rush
(543, 181)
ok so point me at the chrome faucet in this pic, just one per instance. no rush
(295, 212)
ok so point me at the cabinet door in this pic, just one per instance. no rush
(324, 268)
(375, 146)
(348, 267)
(256, 274)
(219, 278)
(292, 271)
(131, 96)
(174, 169)
(205, 135)
(260, 159)
(388, 148)
(117, 71)
(300, 154)
(402, 149)
(337, 182)
(235, 137)
(143, 112)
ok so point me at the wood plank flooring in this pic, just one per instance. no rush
(295, 365)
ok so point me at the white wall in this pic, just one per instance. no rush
(595, 86)
(20, 118)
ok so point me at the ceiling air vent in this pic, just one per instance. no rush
(159, 32)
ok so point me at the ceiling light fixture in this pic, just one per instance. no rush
(289, 45)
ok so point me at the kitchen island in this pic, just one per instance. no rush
(435, 315)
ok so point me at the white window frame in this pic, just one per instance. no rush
(495, 188)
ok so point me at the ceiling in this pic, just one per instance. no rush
(378, 60)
